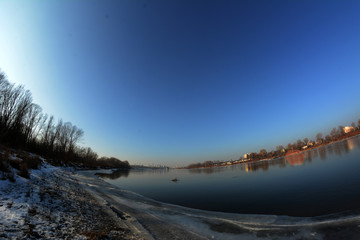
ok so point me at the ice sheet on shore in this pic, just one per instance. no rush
(166, 221)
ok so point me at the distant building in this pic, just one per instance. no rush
(246, 155)
(348, 129)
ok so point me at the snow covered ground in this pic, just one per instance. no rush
(52, 205)
(57, 203)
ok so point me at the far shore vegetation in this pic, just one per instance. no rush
(25, 128)
(336, 134)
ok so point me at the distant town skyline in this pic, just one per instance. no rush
(178, 82)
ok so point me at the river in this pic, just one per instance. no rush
(317, 182)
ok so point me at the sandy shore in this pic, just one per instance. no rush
(59, 204)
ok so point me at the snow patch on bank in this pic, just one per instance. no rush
(53, 205)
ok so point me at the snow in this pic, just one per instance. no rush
(12, 157)
(52, 205)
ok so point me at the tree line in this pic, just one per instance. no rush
(23, 125)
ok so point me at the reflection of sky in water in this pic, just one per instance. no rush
(327, 180)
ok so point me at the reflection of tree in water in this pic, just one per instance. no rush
(152, 171)
(322, 153)
(356, 142)
(265, 165)
(295, 158)
(281, 162)
(255, 166)
(208, 170)
(337, 149)
(330, 149)
(315, 153)
(309, 155)
(248, 167)
(346, 146)
(115, 174)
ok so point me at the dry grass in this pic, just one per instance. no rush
(22, 163)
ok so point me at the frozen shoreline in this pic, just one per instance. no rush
(155, 220)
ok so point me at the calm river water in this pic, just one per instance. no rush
(321, 181)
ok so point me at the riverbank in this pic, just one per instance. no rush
(58, 203)
(52, 204)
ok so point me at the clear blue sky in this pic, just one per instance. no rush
(175, 82)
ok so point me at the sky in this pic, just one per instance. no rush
(178, 82)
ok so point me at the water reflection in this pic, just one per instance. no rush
(125, 172)
(151, 171)
(353, 143)
(293, 159)
(206, 170)
(115, 174)
(311, 183)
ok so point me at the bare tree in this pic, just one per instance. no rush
(15, 102)
(40, 125)
(263, 152)
(20, 104)
(333, 133)
(290, 146)
(75, 135)
(47, 129)
(64, 137)
(55, 135)
(31, 120)
(341, 131)
(22, 124)
(90, 154)
(299, 143)
(279, 148)
(319, 137)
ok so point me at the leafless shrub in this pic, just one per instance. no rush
(24, 172)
